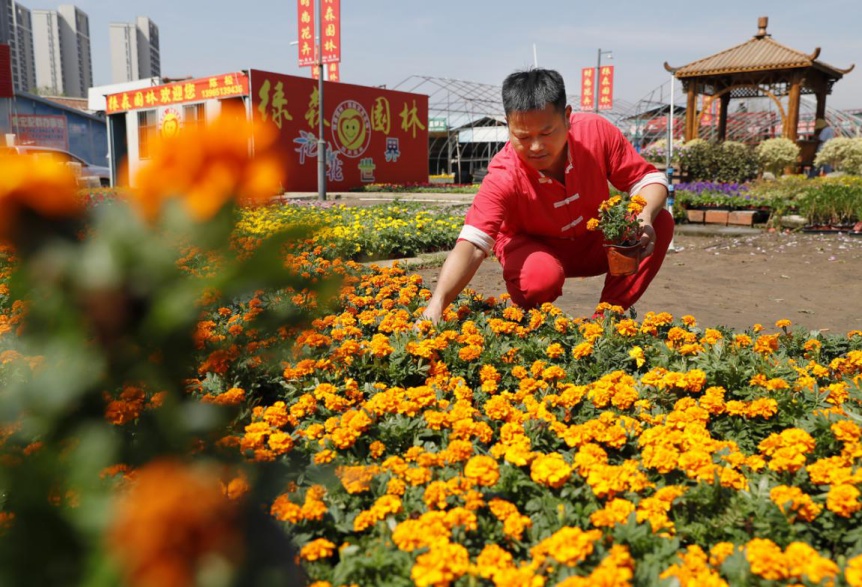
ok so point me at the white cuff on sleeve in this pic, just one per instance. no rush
(654, 177)
(477, 237)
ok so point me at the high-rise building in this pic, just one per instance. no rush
(134, 50)
(61, 43)
(16, 31)
(24, 61)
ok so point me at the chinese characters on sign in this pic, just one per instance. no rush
(371, 134)
(587, 88)
(305, 20)
(331, 41)
(606, 87)
(197, 90)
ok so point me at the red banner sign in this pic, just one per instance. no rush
(606, 87)
(588, 87)
(332, 72)
(373, 135)
(331, 41)
(306, 32)
(193, 90)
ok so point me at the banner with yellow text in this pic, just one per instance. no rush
(306, 32)
(587, 88)
(331, 41)
(606, 87)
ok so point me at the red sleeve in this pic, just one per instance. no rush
(488, 211)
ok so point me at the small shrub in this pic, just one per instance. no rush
(729, 161)
(844, 154)
(775, 155)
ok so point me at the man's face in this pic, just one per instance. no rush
(539, 136)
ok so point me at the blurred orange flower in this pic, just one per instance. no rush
(40, 185)
(207, 166)
(172, 519)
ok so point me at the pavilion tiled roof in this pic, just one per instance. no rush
(760, 53)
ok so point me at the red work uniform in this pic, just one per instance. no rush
(536, 226)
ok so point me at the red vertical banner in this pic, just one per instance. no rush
(332, 72)
(587, 88)
(315, 72)
(305, 20)
(606, 87)
(331, 41)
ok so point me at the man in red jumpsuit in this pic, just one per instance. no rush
(542, 187)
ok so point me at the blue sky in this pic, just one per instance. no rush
(387, 41)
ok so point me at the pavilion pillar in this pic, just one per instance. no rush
(691, 113)
(724, 103)
(791, 123)
(821, 104)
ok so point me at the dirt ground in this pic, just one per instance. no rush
(814, 280)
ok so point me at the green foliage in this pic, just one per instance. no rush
(728, 161)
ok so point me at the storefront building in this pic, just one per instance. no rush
(373, 135)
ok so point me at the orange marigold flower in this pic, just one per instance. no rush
(484, 470)
(317, 549)
(38, 184)
(843, 500)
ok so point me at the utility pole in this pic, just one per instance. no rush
(321, 142)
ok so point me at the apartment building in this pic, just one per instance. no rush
(134, 50)
(61, 43)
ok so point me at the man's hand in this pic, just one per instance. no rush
(647, 240)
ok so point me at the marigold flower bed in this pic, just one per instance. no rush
(521, 448)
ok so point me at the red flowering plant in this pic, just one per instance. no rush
(618, 219)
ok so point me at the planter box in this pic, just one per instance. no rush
(716, 216)
(695, 216)
(742, 217)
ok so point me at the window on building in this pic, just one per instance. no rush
(146, 132)
(194, 115)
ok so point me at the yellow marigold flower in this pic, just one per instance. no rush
(442, 565)
(582, 350)
(317, 549)
(637, 353)
(550, 470)
(794, 499)
(492, 560)
(853, 571)
(555, 350)
(742, 340)
(627, 327)
(843, 500)
(593, 224)
(719, 552)
(568, 545)
(482, 469)
(784, 324)
(210, 164)
(616, 511)
(766, 559)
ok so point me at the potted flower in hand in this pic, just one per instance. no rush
(619, 223)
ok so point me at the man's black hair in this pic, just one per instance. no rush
(534, 89)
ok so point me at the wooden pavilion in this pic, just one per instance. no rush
(758, 67)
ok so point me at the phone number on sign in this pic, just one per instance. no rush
(224, 91)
